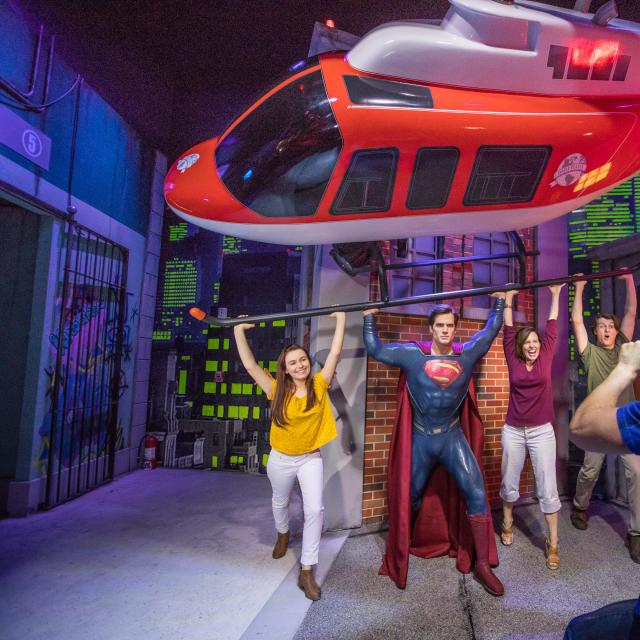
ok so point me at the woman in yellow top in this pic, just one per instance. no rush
(301, 422)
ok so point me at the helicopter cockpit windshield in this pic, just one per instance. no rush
(278, 159)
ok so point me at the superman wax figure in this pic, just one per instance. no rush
(437, 384)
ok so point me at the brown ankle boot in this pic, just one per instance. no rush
(308, 584)
(281, 545)
(482, 571)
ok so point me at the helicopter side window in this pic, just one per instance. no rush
(387, 93)
(506, 175)
(432, 176)
(368, 182)
(278, 160)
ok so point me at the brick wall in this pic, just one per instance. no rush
(492, 383)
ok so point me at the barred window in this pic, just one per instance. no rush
(416, 281)
(491, 272)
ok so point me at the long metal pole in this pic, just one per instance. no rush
(381, 304)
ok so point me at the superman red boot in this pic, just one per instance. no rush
(480, 529)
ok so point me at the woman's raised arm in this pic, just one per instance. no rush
(259, 375)
(336, 347)
(554, 307)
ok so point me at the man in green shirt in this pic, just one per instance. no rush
(599, 361)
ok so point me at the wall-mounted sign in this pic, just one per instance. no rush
(24, 138)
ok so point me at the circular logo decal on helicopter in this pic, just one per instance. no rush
(187, 161)
(570, 170)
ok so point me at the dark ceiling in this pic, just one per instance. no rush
(178, 71)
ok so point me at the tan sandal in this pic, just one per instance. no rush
(552, 556)
(506, 535)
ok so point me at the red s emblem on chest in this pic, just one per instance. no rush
(443, 372)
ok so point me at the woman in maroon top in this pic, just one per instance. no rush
(529, 422)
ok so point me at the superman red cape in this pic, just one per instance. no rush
(442, 526)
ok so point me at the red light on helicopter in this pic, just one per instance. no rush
(588, 54)
(330, 23)
(605, 52)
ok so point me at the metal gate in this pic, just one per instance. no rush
(86, 381)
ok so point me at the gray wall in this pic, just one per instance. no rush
(343, 457)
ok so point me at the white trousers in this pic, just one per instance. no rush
(541, 443)
(282, 471)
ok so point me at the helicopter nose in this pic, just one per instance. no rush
(189, 187)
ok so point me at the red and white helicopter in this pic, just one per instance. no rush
(503, 116)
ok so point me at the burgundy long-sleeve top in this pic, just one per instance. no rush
(530, 392)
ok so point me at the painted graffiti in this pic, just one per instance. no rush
(82, 318)
(84, 357)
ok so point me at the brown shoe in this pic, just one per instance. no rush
(579, 518)
(281, 545)
(552, 556)
(634, 547)
(308, 584)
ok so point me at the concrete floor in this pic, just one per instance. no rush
(441, 604)
(163, 554)
(173, 554)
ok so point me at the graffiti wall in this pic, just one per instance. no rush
(91, 354)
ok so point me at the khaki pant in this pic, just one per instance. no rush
(588, 477)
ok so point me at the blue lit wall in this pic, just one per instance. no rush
(112, 172)
(112, 167)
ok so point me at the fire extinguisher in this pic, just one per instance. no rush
(150, 448)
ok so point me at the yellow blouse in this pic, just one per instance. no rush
(305, 431)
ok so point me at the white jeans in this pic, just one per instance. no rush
(541, 443)
(282, 471)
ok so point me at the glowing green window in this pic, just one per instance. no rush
(259, 391)
(243, 412)
(256, 413)
(273, 366)
(225, 365)
(279, 323)
(247, 389)
(265, 459)
(233, 459)
(211, 365)
(236, 388)
(225, 344)
(208, 410)
(232, 411)
(213, 343)
(214, 461)
(182, 382)
(210, 387)
(220, 411)
(223, 388)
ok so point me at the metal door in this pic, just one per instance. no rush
(86, 384)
